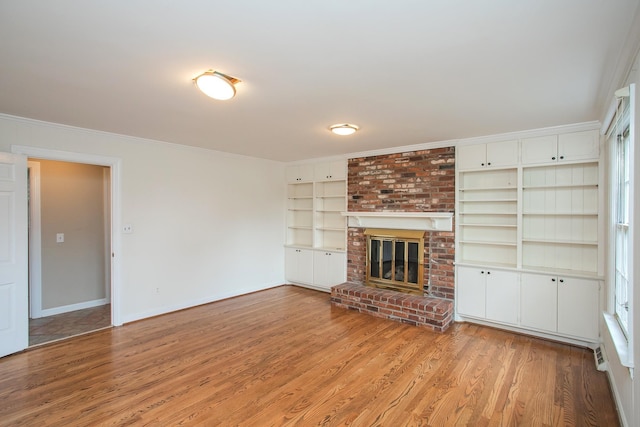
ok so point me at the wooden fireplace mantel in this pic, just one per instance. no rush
(428, 221)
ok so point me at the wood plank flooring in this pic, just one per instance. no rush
(286, 357)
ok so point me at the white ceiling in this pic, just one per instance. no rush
(407, 72)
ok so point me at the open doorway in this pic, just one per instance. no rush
(69, 249)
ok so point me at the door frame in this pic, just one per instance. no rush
(115, 164)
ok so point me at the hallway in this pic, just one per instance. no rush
(52, 328)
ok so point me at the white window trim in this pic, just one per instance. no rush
(623, 342)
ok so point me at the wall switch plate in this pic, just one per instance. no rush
(127, 229)
(60, 238)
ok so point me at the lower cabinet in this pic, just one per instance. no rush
(488, 293)
(329, 268)
(561, 305)
(298, 265)
(566, 305)
(321, 269)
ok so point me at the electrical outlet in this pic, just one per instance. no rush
(127, 228)
(60, 238)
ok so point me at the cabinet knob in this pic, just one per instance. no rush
(553, 158)
(561, 280)
(481, 164)
(561, 157)
(482, 272)
(489, 164)
(488, 272)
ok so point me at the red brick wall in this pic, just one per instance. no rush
(416, 181)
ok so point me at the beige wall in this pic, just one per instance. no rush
(72, 202)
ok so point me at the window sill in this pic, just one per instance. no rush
(619, 340)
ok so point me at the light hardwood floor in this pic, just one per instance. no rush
(285, 356)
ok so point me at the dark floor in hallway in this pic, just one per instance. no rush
(51, 328)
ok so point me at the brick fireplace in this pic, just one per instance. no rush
(409, 184)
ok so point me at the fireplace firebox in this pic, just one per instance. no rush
(395, 260)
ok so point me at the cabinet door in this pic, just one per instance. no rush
(578, 307)
(503, 296)
(298, 265)
(329, 268)
(540, 150)
(471, 291)
(579, 146)
(300, 173)
(539, 301)
(330, 171)
(503, 153)
(471, 156)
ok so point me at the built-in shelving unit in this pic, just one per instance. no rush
(330, 225)
(300, 214)
(560, 217)
(315, 247)
(529, 232)
(487, 202)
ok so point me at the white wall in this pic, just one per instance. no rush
(207, 225)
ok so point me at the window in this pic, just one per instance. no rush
(621, 231)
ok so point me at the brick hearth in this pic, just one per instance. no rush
(431, 312)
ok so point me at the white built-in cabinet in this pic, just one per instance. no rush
(488, 293)
(529, 232)
(298, 265)
(568, 147)
(329, 268)
(315, 247)
(489, 155)
(560, 304)
(300, 173)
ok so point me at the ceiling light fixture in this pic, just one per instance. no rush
(216, 85)
(344, 129)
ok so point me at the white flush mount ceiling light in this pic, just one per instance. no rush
(344, 129)
(216, 85)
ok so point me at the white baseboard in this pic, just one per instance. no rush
(193, 303)
(72, 307)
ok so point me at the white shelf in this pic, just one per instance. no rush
(558, 242)
(488, 242)
(490, 213)
(488, 188)
(561, 213)
(489, 225)
(552, 186)
(488, 200)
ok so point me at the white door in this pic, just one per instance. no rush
(471, 291)
(471, 156)
(14, 299)
(543, 149)
(503, 153)
(579, 146)
(329, 269)
(578, 302)
(503, 296)
(539, 301)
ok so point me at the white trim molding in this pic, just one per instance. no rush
(428, 221)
